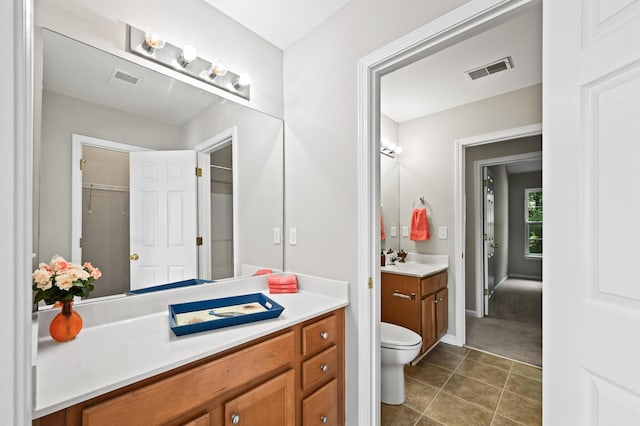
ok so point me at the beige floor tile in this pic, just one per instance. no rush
(527, 371)
(428, 421)
(443, 358)
(524, 410)
(418, 394)
(398, 415)
(454, 411)
(428, 373)
(458, 350)
(492, 360)
(503, 421)
(473, 391)
(485, 373)
(524, 386)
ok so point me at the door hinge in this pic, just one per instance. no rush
(198, 241)
(370, 282)
(484, 237)
(462, 255)
(486, 291)
(80, 242)
(82, 163)
(484, 183)
(198, 172)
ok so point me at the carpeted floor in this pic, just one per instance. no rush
(514, 326)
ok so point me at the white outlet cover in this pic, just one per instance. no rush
(394, 231)
(405, 231)
(293, 236)
(443, 232)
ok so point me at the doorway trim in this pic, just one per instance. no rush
(479, 208)
(225, 137)
(77, 142)
(448, 29)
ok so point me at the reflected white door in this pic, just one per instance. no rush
(591, 346)
(489, 236)
(163, 217)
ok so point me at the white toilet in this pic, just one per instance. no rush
(399, 346)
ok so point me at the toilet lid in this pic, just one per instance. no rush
(393, 336)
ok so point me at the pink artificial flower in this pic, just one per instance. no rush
(95, 273)
(88, 266)
(64, 282)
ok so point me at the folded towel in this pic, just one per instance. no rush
(280, 283)
(262, 272)
(383, 236)
(419, 225)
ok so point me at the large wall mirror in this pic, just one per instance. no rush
(116, 153)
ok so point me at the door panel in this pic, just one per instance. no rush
(163, 217)
(489, 236)
(591, 297)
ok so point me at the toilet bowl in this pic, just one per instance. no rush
(399, 346)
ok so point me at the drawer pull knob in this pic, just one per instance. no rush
(235, 419)
(397, 293)
(324, 419)
(324, 335)
(324, 368)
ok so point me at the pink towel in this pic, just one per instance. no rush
(419, 225)
(383, 236)
(282, 283)
(262, 272)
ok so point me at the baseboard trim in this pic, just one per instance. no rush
(450, 339)
(473, 313)
(506, 277)
(525, 277)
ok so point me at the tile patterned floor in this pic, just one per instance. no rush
(455, 386)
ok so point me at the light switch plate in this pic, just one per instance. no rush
(405, 231)
(394, 231)
(293, 236)
(443, 232)
(276, 236)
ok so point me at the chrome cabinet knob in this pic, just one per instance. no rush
(324, 335)
(324, 419)
(324, 368)
(235, 419)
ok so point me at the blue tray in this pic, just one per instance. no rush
(177, 284)
(273, 310)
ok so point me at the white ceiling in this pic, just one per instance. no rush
(81, 71)
(280, 22)
(438, 82)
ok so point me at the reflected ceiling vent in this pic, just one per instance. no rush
(124, 79)
(492, 68)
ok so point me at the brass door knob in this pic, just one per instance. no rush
(134, 256)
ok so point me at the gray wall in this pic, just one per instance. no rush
(519, 266)
(483, 152)
(389, 189)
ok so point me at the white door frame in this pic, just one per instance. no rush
(77, 142)
(477, 188)
(227, 136)
(449, 28)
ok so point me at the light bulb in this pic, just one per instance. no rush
(385, 143)
(189, 53)
(243, 80)
(392, 146)
(152, 40)
(399, 149)
(218, 70)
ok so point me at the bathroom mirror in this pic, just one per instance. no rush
(92, 111)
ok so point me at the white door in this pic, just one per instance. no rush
(163, 217)
(591, 115)
(488, 236)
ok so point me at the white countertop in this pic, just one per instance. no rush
(415, 269)
(115, 349)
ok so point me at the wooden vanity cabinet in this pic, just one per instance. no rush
(291, 377)
(419, 304)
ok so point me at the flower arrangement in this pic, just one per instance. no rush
(61, 281)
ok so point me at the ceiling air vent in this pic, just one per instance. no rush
(492, 68)
(123, 78)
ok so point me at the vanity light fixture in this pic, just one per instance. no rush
(189, 53)
(389, 149)
(150, 45)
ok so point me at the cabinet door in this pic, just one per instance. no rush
(270, 404)
(442, 312)
(428, 322)
(400, 301)
(203, 420)
(321, 407)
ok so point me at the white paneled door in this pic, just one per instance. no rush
(591, 346)
(488, 236)
(163, 217)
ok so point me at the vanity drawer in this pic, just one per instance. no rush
(433, 283)
(320, 368)
(321, 407)
(319, 335)
(169, 398)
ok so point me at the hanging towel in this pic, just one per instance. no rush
(383, 236)
(419, 225)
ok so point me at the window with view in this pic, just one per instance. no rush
(533, 221)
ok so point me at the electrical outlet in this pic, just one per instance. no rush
(394, 231)
(293, 236)
(276, 236)
(442, 232)
(405, 231)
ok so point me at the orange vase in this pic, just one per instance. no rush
(66, 325)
